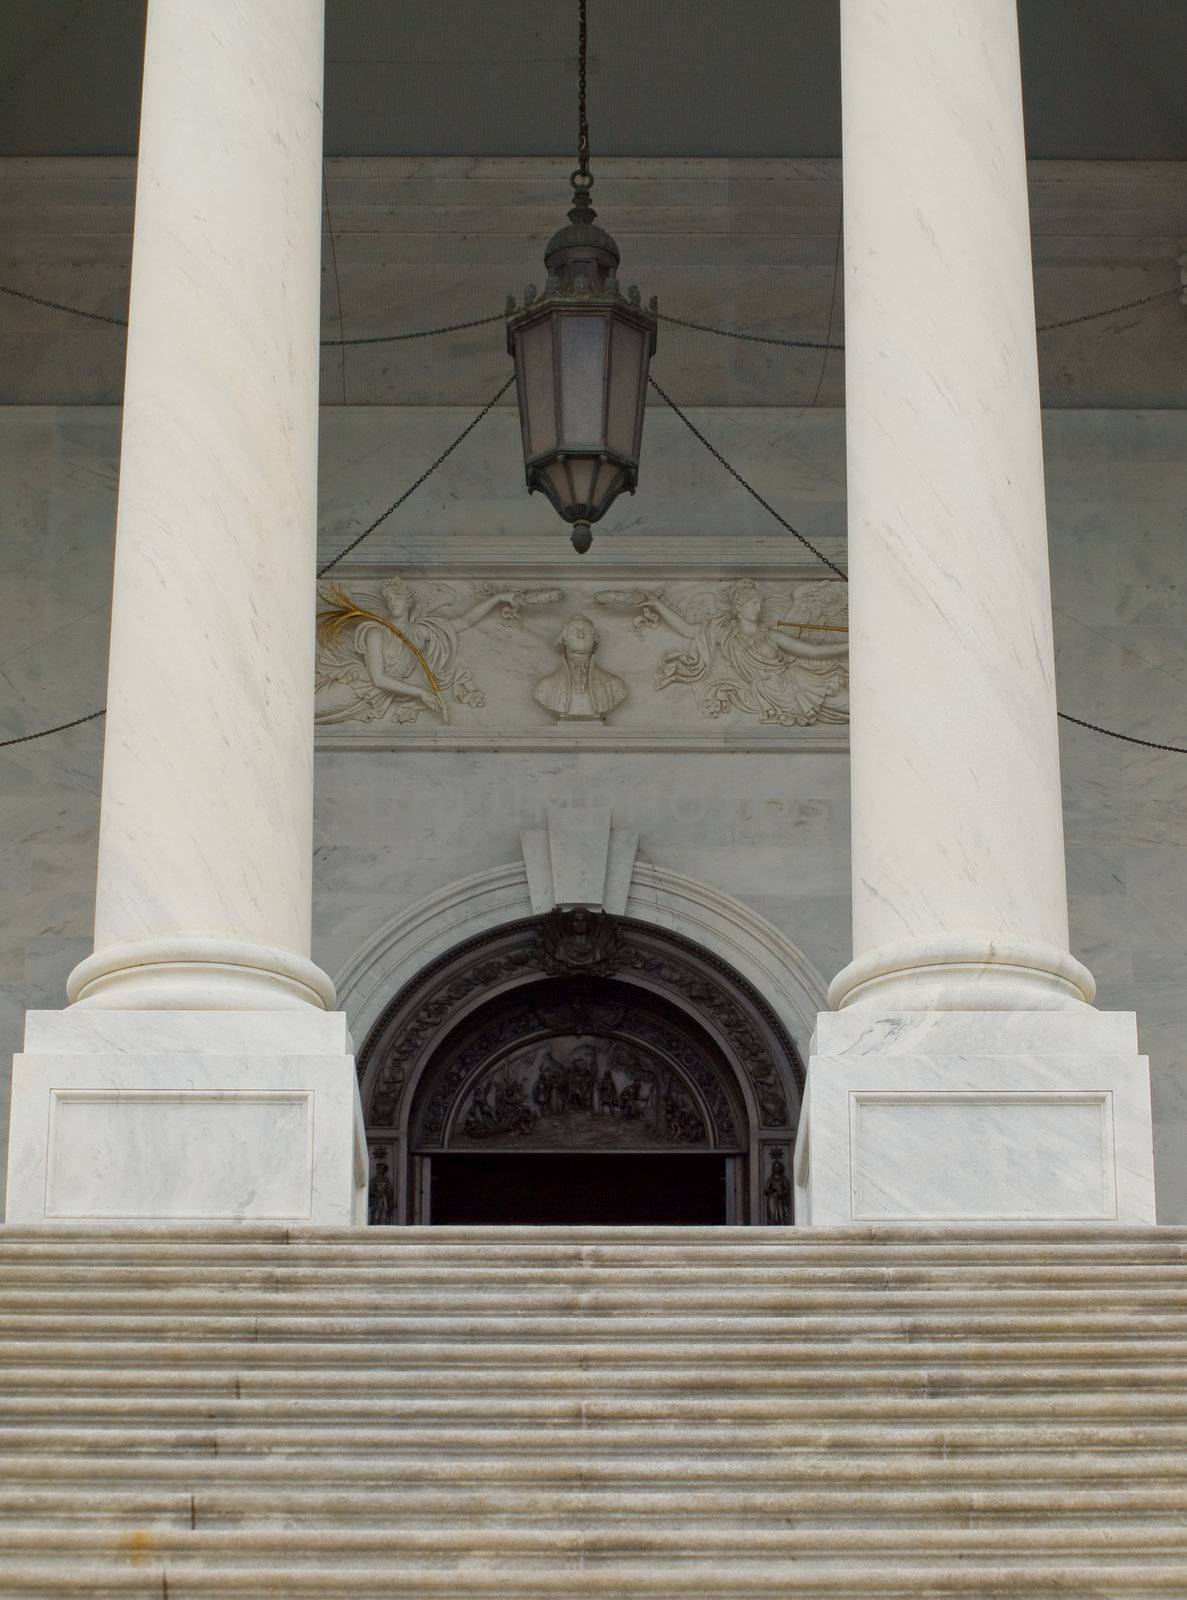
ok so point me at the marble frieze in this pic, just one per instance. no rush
(543, 657)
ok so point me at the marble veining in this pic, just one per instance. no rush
(957, 823)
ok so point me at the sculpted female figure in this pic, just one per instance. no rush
(393, 664)
(738, 659)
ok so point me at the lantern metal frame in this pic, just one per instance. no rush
(581, 475)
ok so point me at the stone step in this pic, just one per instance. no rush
(639, 1248)
(774, 1380)
(891, 1505)
(1086, 1302)
(752, 1469)
(686, 1541)
(555, 1408)
(146, 1577)
(389, 1274)
(770, 1360)
(977, 1412)
(1005, 1327)
(417, 1264)
(566, 1440)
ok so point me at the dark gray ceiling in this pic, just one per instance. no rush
(1103, 78)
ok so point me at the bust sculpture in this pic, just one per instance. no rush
(579, 690)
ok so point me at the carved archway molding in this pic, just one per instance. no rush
(722, 925)
(575, 1030)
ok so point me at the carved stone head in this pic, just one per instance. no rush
(397, 596)
(746, 600)
(578, 637)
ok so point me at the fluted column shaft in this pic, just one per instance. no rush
(959, 897)
(204, 878)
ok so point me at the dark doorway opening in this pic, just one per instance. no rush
(612, 1189)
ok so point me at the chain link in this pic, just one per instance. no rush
(676, 322)
(582, 115)
(44, 733)
(1127, 738)
(750, 338)
(415, 485)
(56, 305)
(1110, 311)
(749, 487)
(419, 333)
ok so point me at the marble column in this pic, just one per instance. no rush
(959, 897)
(966, 1074)
(205, 841)
(201, 1071)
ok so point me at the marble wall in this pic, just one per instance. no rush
(768, 826)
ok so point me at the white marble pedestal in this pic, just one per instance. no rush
(186, 1115)
(978, 1115)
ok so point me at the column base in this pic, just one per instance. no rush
(963, 972)
(992, 1116)
(166, 1116)
(195, 973)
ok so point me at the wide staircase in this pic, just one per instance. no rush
(947, 1411)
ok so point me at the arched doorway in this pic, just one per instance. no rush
(579, 1067)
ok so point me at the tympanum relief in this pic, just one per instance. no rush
(699, 662)
(579, 1094)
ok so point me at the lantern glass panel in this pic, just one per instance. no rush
(608, 475)
(555, 475)
(624, 403)
(538, 390)
(582, 471)
(583, 376)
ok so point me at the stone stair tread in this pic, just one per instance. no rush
(740, 1579)
(1161, 1288)
(774, 1469)
(950, 1411)
(597, 1327)
(675, 1442)
(389, 1268)
(686, 1540)
(558, 1408)
(774, 1354)
(893, 1502)
(945, 1375)
(645, 1247)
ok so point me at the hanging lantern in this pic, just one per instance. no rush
(581, 351)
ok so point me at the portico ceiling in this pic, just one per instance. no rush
(1103, 78)
(716, 143)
